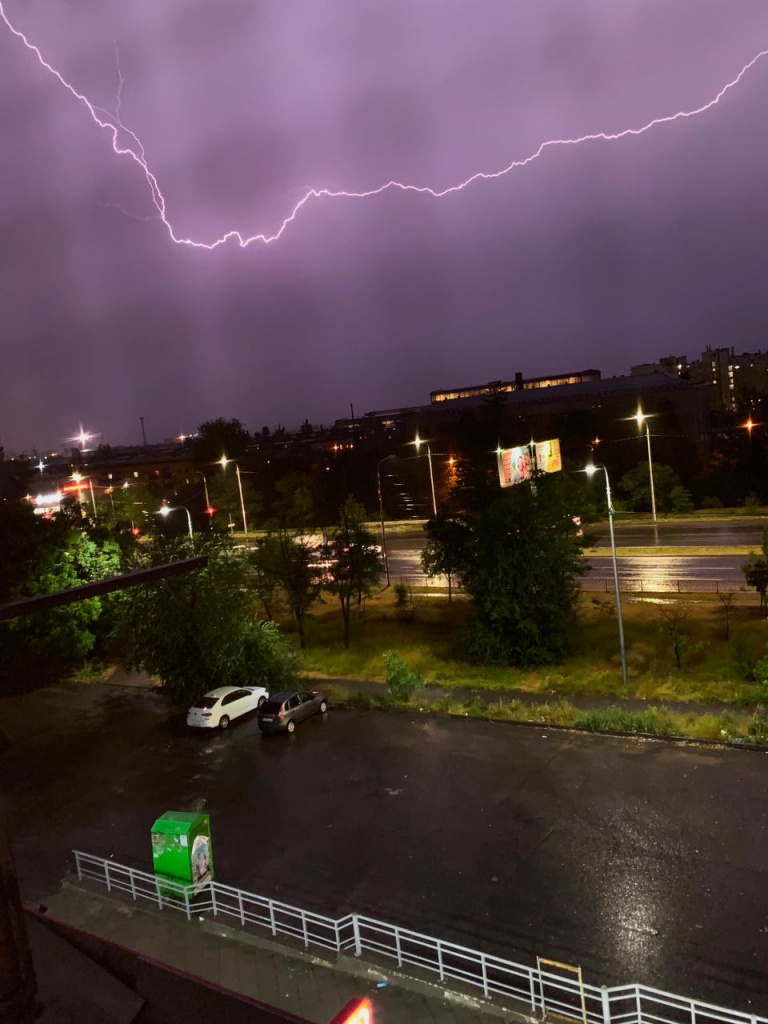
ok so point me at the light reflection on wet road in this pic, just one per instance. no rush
(640, 861)
(646, 572)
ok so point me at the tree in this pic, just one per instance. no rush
(201, 630)
(672, 626)
(445, 552)
(756, 571)
(219, 437)
(285, 560)
(521, 572)
(668, 491)
(40, 556)
(224, 493)
(354, 565)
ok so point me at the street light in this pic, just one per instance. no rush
(78, 478)
(224, 462)
(166, 510)
(417, 442)
(590, 470)
(640, 418)
(199, 472)
(381, 515)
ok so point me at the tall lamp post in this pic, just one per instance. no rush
(590, 470)
(78, 478)
(642, 420)
(224, 462)
(199, 472)
(417, 442)
(166, 510)
(381, 515)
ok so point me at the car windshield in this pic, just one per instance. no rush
(207, 702)
(271, 707)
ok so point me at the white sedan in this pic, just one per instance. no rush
(220, 706)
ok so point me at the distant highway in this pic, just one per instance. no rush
(646, 572)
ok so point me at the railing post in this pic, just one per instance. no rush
(272, 923)
(398, 948)
(159, 893)
(106, 876)
(186, 903)
(132, 878)
(240, 905)
(356, 933)
(304, 928)
(77, 866)
(606, 1005)
(533, 991)
(484, 966)
(639, 1006)
(213, 900)
(440, 974)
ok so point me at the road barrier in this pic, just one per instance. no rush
(547, 988)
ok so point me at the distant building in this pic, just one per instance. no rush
(736, 381)
(518, 384)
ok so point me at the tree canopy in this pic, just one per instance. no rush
(219, 437)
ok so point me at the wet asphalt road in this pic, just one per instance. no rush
(640, 861)
(644, 572)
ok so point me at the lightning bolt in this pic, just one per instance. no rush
(113, 125)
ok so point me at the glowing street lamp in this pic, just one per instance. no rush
(417, 443)
(199, 472)
(224, 462)
(590, 470)
(641, 419)
(381, 515)
(749, 426)
(78, 479)
(166, 510)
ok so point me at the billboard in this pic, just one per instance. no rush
(515, 465)
(518, 464)
(548, 456)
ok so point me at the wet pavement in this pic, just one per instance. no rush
(641, 861)
(685, 574)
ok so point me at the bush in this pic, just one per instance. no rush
(746, 654)
(272, 662)
(480, 645)
(401, 595)
(401, 681)
(680, 499)
(758, 728)
(711, 502)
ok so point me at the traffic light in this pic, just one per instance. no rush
(210, 510)
(357, 1011)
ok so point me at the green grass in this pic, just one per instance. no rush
(592, 668)
(653, 721)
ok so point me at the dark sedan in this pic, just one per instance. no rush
(283, 711)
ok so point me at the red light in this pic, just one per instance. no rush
(357, 1011)
(210, 510)
(135, 531)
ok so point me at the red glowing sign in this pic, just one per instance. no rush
(357, 1011)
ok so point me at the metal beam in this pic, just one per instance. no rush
(43, 602)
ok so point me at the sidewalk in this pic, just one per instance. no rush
(306, 984)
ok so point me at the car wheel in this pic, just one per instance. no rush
(224, 722)
(291, 726)
(262, 700)
(323, 706)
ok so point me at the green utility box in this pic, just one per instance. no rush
(181, 848)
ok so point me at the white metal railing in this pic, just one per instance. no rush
(544, 991)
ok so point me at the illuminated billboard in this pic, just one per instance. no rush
(515, 465)
(519, 464)
(548, 456)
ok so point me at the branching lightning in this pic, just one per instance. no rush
(120, 134)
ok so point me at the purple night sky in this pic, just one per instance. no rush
(603, 254)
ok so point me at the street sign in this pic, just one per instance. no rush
(357, 1011)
